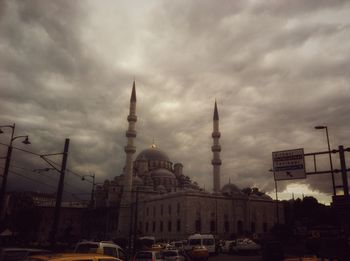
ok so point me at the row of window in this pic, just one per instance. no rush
(162, 210)
(162, 164)
(151, 227)
(198, 226)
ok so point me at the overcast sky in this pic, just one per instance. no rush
(276, 69)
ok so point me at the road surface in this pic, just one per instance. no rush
(225, 257)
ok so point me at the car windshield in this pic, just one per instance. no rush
(86, 248)
(170, 253)
(208, 241)
(194, 242)
(144, 255)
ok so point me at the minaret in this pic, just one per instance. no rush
(130, 148)
(216, 148)
(125, 205)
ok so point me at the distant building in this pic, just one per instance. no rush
(169, 205)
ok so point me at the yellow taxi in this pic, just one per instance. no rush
(199, 253)
(72, 257)
(156, 247)
(305, 258)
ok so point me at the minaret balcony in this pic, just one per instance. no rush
(130, 149)
(130, 133)
(216, 162)
(132, 118)
(216, 134)
(216, 148)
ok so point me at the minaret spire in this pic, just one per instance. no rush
(133, 93)
(216, 114)
(216, 149)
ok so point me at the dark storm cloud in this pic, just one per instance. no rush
(51, 85)
(276, 68)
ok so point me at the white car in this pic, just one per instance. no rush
(173, 255)
(177, 245)
(244, 246)
(225, 247)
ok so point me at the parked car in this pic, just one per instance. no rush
(207, 240)
(148, 256)
(71, 257)
(199, 253)
(173, 255)
(157, 247)
(177, 244)
(103, 247)
(304, 258)
(15, 254)
(225, 247)
(244, 246)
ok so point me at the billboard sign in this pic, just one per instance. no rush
(289, 164)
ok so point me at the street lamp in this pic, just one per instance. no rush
(93, 186)
(320, 127)
(7, 165)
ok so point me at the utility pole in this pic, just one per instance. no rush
(59, 195)
(277, 207)
(343, 172)
(7, 167)
(93, 189)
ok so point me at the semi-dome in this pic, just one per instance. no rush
(153, 154)
(137, 181)
(266, 197)
(162, 173)
(161, 189)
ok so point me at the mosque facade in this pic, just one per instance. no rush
(154, 196)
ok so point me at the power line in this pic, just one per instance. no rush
(43, 183)
(50, 161)
(33, 180)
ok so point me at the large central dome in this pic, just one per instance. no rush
(152, 154)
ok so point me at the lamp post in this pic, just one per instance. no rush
(93, 186)
(7, 166)
(330, 155)
(277, 207)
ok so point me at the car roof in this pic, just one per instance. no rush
(143, 251)
(63, 256)
(21, 249)
(105, 243)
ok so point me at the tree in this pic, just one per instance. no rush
(252, 191)
(25, 217)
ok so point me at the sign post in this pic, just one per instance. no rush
(289, 164)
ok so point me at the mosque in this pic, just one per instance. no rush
(154, 197)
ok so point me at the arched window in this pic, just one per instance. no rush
(264, 227)
(178, 225)
(198, 225)
(239, 227)
(227, 226)
(212, 226)
(169, 226)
